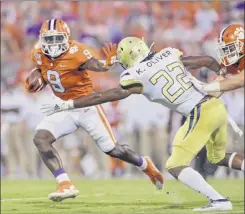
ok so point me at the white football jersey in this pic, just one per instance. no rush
(165, 80)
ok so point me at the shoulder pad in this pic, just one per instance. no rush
(80, 50)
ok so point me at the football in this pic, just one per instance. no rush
(34, 81)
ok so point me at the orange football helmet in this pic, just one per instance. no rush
(54, 37)
(231, 44)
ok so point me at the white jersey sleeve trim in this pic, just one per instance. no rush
(128, 79)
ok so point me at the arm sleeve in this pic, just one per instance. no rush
(84, 53)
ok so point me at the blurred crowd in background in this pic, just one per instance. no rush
(193, 27)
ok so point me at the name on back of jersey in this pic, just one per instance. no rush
(158, 58)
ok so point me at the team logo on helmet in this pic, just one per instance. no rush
(239, 32)
(230, 47)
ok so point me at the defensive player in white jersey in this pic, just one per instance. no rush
(162, 78)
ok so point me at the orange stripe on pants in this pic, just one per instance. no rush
(105, 122)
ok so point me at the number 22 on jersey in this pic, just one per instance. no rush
(184, 86)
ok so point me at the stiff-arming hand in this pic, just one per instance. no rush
(110, 51)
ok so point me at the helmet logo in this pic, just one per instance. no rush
(239, 33)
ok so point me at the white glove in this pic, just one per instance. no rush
(56, 106)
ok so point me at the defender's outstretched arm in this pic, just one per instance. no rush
(92, 99)
(106, 96)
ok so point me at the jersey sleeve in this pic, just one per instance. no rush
(36, 55)
(82, 52)
(128, 80)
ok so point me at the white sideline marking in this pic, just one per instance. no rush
(46, 198)
(23, 199)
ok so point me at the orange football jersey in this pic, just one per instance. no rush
(62, 73)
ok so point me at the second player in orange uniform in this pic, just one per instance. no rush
(231, 52)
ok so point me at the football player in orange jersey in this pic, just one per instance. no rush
(231, 52)
(64, 65)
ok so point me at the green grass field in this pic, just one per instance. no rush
(113, 197)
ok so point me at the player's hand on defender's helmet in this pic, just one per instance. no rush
(56, 106)
(110, 51)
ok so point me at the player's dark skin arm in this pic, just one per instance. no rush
(195, 62)
(107, 96)
(93, 65)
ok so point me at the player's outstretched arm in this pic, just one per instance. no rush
(94, 65)
(110, 51)
(195, 62)
(92, 99)
(232, 83)
(228, 84)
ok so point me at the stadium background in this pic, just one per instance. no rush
(149, 128)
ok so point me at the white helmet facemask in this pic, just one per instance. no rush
(54, 43)
(230, 53)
